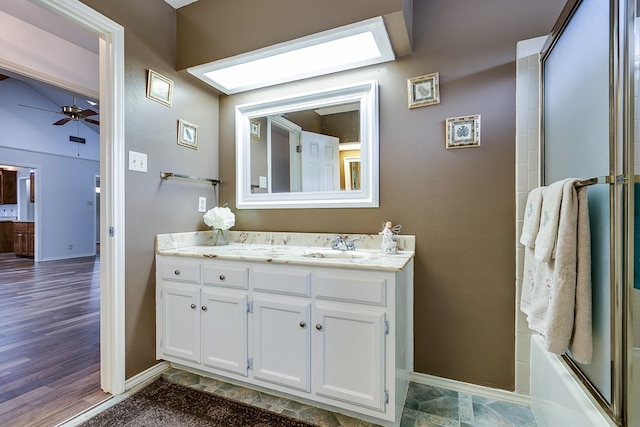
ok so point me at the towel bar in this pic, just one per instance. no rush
(167, 175)
(608, 179)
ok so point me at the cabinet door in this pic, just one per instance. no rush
(281, 341)
(9, 187)
(349, 354)
(20, 243)
(180, 321)
(224, 331)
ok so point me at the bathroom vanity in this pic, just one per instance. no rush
(286, 314)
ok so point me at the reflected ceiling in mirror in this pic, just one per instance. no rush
(312, 150)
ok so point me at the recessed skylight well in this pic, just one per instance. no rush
(344, 48)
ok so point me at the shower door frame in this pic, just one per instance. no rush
(621, 198)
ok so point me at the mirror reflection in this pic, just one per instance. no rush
(307, 150)
(318, 149)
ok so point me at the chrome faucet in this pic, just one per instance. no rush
(341, 245)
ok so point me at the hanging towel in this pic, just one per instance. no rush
(581, 345)
(560, 298)
(527, 238)
(549, 217)
(531, 222)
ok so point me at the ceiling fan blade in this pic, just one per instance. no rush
(38, 108)
(87, 113)
(95, 122)
(61, 121)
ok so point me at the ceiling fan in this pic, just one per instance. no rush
(72, 113)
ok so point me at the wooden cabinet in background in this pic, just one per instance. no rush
(6, 236)
(8, 187)
(32, 187)
(23, 241)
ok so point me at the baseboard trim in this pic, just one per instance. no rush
(476, 390)
(145, 377)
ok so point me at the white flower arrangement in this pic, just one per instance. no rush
(220, 217)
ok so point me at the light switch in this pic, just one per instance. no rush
(202, 204)
(137, 161)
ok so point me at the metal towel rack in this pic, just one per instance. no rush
(167, 175)
(608, 179)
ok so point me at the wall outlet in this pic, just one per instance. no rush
(137, 161)
(263, 182)
(202, 204)
(70, 246)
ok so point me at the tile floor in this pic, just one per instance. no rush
(426, 406)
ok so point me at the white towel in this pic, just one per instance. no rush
(581, 345)
(549, 217)
(527, 238)
(531, 223)
(559, 305)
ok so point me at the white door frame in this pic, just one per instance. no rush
(112, 171)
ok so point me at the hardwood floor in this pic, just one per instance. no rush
(49, 339)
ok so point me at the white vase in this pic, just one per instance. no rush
(220, 237)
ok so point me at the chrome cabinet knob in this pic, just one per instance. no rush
(193, 306)
(176, 272)
(318, 326)
(222, 277)
(204, 308)
(302, 324)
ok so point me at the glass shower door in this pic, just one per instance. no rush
(577, 144)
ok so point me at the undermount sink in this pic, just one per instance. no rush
(332, 253)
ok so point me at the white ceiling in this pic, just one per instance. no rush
(50, 22)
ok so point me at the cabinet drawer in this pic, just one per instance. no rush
(181, 272)
(225, 276)
(282, 281)
(22, 227)
(357, 288)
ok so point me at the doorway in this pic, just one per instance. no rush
(111, 93)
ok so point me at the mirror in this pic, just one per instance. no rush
(317, 149)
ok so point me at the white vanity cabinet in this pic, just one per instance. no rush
(338, 338)
(202, 314)
(350, 336)
(178, 311)
(281, 321)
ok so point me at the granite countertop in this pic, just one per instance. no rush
(311, 249)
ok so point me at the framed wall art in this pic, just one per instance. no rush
(424, 90)
(463, 132)
(187, 134)
(255, 129)
(159, 88)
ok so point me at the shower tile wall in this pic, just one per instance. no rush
(527, 178)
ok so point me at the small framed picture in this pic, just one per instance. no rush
(463, 132)
(187, 134)
(255, 129)
(424, 90)
(159, 88)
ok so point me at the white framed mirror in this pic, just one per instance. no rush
(292, 152)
